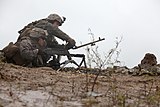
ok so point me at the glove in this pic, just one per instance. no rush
(71, 43)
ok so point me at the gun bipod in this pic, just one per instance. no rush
(70, 60)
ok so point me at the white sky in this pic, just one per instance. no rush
(138, 21)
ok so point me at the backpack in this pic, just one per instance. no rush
(12, 54)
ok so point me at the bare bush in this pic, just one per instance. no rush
(111, 58)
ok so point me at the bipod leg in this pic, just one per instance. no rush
(83, 61)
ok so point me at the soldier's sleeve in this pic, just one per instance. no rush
(52, 30)
(26, 50)
(60, 34)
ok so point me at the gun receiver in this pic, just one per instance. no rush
(61, 50)
(90, 43)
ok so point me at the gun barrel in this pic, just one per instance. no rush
(90, 43)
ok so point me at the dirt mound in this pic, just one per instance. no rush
(45, 87)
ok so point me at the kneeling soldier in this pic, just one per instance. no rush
(31, 47)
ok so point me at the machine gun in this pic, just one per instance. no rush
(61, 50)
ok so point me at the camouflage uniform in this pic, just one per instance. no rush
(52, 30)
(30, 49)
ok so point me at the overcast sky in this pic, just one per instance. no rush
(137, 21)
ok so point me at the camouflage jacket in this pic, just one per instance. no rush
(53, 31)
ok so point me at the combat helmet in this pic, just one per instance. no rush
(38, 32)
(55, 17)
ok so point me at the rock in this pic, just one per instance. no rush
(148, 66)
(148, 61)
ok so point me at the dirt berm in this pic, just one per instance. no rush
(45, 87)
